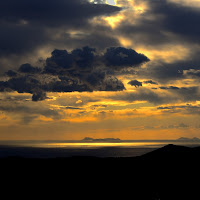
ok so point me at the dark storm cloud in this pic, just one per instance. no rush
(118, 57)
(164, 23)
(63, 62)
(51, 12)
(93, 69)
(27, 68)
(160, 18)
(135, 83)
(115, 58)
(96, 77)
(39, 96)
(29, 25)
(4, 86)
(79, 70)
(23, 84)
(11, 73)
(178, 18)
(20, 38)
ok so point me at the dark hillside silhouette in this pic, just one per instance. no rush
(167, 173)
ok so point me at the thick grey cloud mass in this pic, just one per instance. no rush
(16, 38)
(161, 17)
(79, 70)
(27, 26)
(51, 12)
(179, 19)
(164, 23)
(27, 68)
(122, 57)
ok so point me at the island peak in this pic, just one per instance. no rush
(89, 139)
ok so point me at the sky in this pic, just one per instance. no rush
(127, 69)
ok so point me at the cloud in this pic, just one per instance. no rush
(161, 22)
(192, 72)
(144, 94)
(79, 70)
(155, 28)
(27, 28)
(163, 127)
(119, 57)
(183, 94)
(61, 61)
(26, 111)
(135, 83)
(184, 109)
(113, 60)
(188, 93)
(39, 96)
(11, 73)
(169, 88)
(52, 13)
(150, 82)
(72, 108)
(179, 18)
(19, 38)
(165, 72)
(27, 68)
(159, 25)
(182, 125)
(163, 108)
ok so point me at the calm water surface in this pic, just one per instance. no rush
(52, 149)
(93, 145)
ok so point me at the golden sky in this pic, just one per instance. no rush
(161, 95)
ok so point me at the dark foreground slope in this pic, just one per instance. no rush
(171, 172)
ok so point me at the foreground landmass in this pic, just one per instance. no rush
(171, 172)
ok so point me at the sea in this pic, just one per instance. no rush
(70, 148)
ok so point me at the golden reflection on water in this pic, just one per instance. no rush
(97, 145)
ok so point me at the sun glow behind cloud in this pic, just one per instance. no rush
(130, 8)
(114, 21)
(111, 2)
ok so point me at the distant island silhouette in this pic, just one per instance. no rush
(89, 139)
(188, 139)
